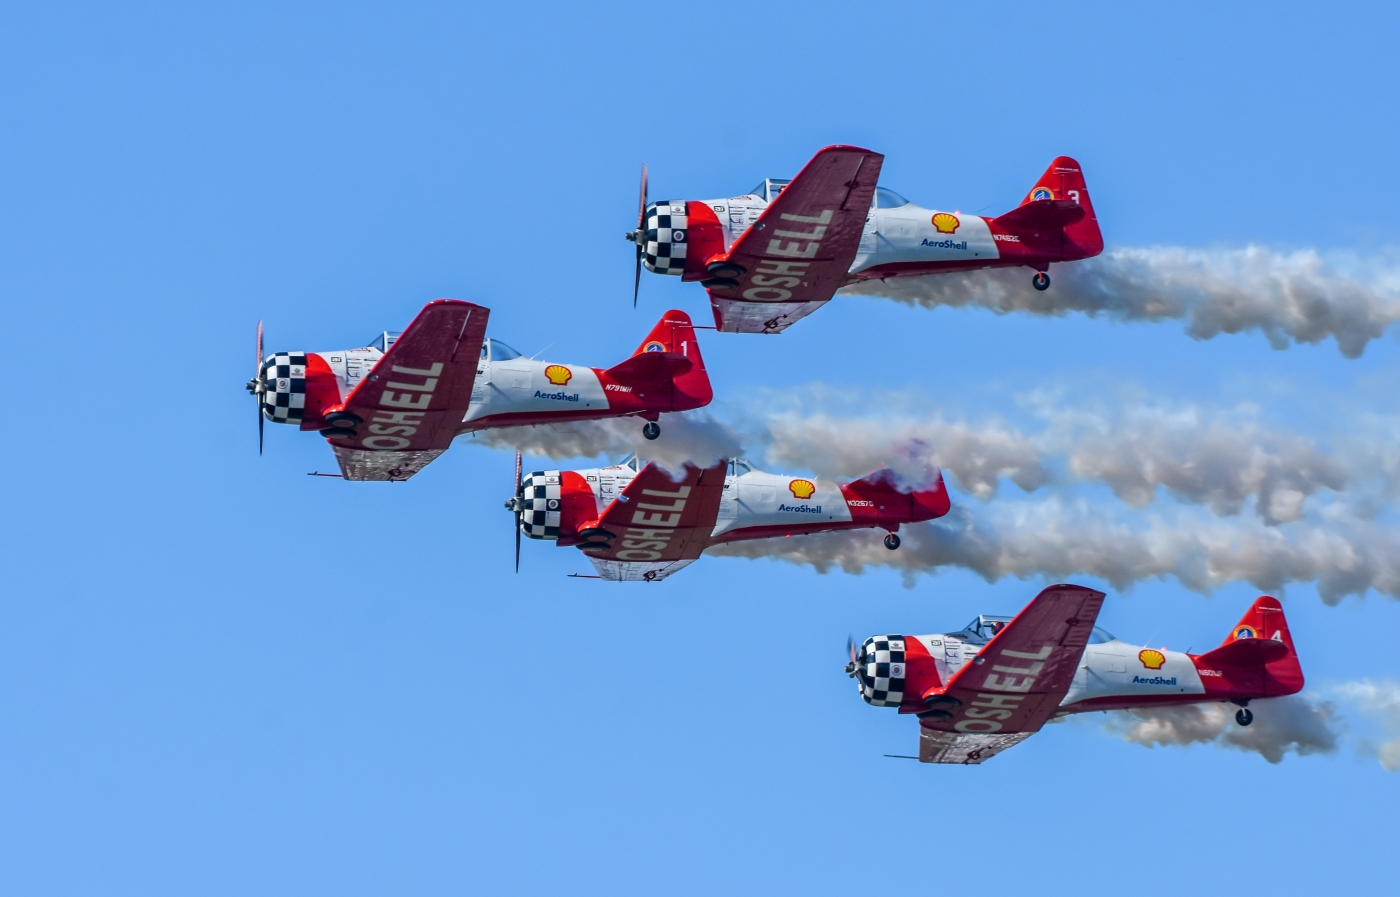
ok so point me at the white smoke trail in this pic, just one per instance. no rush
(693, 436)
(1380, 701)
(1058, 539)
(1301, 724)
(1290, 297)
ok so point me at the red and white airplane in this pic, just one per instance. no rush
(992, 685)
(641, 524)
(780, 252)
(390, 408)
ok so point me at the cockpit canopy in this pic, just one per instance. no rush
(770, 188)
(495, 350)
(383, 340)
(981, 630)
(887, 199)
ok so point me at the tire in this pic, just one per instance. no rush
(651, 430)
(891, 541)
(720, 283)
(725, 269)
(935, 714)
(342, 420)
(1244, 716)
(1041, 281)
(336, 433)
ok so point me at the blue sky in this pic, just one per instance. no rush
(220, 676)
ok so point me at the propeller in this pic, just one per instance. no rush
(854, 655)
(257, 386)
(639, 236)
(518, 505)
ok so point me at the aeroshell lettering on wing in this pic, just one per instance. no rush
(1004, 688)
(654, 524)
(773, 280)
(390, 429)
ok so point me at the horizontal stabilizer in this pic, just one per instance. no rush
(1247, 652)
(650, 367)
(1041, 214)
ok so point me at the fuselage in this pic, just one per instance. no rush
(1112, 674)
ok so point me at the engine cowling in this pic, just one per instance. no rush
(298, 387)
(880, 670)
(554, 504)
(666, 232)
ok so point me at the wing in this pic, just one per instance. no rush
(1015, 683)
(800, 250)
(659, 524)
(412, 403)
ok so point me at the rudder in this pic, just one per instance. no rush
(675, 334)
(1064, 179)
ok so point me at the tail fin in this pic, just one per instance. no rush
(672, 343)
(1064, 180)
(1261, 638)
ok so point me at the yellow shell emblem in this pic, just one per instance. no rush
(558, 375)
(945, 223)
(1153, 660)
(802, 488)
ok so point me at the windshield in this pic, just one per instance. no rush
(382, 341)
(1100, 636)
(888, 199)
(769, 188)
(495, 350)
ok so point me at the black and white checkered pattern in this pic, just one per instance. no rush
(540, 517)
(666, 237)
(881, 670)
(284, 374)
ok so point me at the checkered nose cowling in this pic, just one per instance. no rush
(880, 670)
(540, 497)
(664, 249)
(284, 387)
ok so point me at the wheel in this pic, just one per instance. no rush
(651, 430)
(891, 541)
(1041, 281)
(1244, 716)
(338, 433)
(720, 283)
(724, 269)
(342, 420)
(593, 546)
(935, 714)
(602, 536)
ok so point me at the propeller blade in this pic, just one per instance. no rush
(517, 510)
(851, 648)
(641, 229)
(257, 375)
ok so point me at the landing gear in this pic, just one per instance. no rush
(891, 541)
(724, 269)
(338, 433)
(1041, 281)
(651, 430)
(720, 283)
(1244, 716)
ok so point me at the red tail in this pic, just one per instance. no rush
(1261, 639)
(670, 352)
(1062, 182)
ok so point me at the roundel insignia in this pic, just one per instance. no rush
(654, 346)
(553, 504)
(677, 236)
(1042, 193)
(1246, 632)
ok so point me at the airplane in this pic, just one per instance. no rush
(639, 523)
(390, 408)
(996, 682)
(778, 253)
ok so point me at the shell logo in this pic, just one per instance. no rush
(1153, 660)
(558, 375)
(1246, 632)
(802, 489)
(945, 223)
